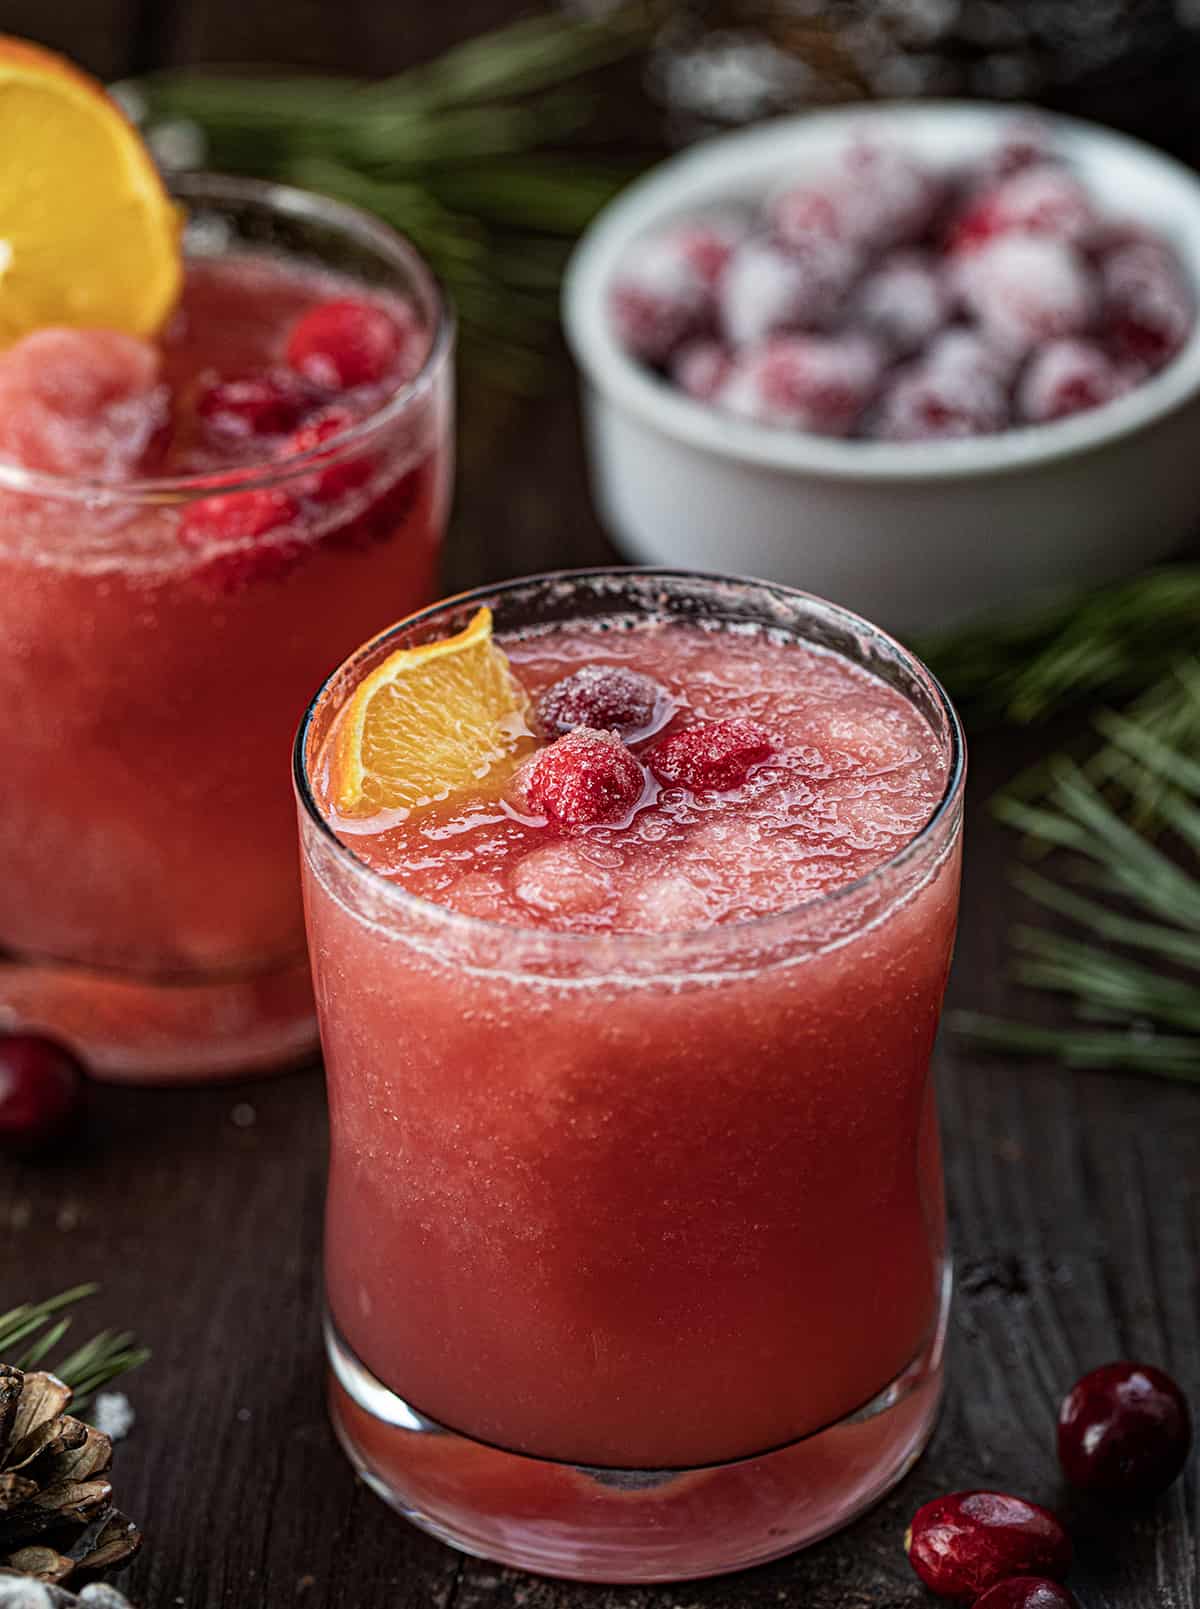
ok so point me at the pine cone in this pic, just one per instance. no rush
(57, 1520)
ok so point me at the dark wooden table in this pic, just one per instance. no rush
(1074, 1198)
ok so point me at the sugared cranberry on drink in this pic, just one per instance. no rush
(1027, 1592)
(661, 297)
(1044, 200)
(1124, 1432)
(711, 754)
(809, 382)
(771, 288)
(240, 535)
(604, 697)
(41, 1089)
(337, 479)
(1147, 306)
(344, 343)
(584, 779)
(1066, 377)
(251, 405)
(701, 368)
(1026, 289)
(962, 1544)
(903, 302)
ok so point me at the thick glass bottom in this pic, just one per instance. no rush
(137, 1030)
(639, 1525)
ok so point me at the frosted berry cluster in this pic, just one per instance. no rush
(886, 299)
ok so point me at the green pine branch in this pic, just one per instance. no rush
(30, 1334)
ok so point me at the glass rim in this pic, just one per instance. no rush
(402, 899)
(290, 201)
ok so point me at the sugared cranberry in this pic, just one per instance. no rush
(708, 244)
(241, 537)
(711, 754)
(337, 479)
(933, 401)
(701, 368)
(1124, 1432)
(584, 779)
(661, 297)
(963, 1544)
(344, 343)
(1026, 289)
(1067, 377)
(770, 288)
(876, 195)
(904, 302)
(1147, 306)
(809, 382)
(1042, 200)
(251, 405)
(604, 697)
(41, 1089)
(1026, 142)
(1027, 1592)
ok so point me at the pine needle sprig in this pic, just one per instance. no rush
(1122, 832)
(44, 1325)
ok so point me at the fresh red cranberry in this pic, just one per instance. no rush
(338, 479)
(904, 302)
(701, 368)
(1027, 1592)
(1025, 289)
(344, 343)
(1067, 377)
(41, 1090)
(604, 697)
(238, 534)
(963, 1544)
(1147, 307)
(1124, 1432)
(1042, 200)
(584, 779)
(770, 288)
(711, 754)
(808, 382)
(661, 298)
(252, 405)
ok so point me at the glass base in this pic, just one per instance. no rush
(133, 1030)
(611, 1525)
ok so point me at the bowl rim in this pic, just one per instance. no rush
(713, 164)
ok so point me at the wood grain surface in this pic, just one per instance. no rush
(1074, 1197)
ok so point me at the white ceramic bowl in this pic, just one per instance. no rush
(914, 535)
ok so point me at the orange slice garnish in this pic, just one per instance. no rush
(88, 234)
(429, 722)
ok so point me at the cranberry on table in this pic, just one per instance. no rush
(41, 1090)
(1124, 1432)
(584, 779)
(604, 697)
(964, 1543)
(344, 343)
(1028, 1592)
(711, 754)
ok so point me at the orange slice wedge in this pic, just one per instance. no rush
(88, 234)
(429, 722)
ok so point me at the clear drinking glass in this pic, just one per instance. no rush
(635, 1249)
(149, 901)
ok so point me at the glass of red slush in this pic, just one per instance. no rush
(635, 1245)
(165, 614)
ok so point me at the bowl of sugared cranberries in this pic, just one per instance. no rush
(926, 359)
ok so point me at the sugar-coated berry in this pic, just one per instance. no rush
(1042, 200)
(344, 343)
(889, 196)
(1148, 308)
(770, 288)
(41, 1089)
(1028, 1592)
(248, 405)
(338, 479)
(242, 537)
(661, 298)
(903, 302)
(1026, 289)
(586, 778)
(605, 698)
(941, 402)
(1124, 1432)
(711, 754)
(809, 382)
(701, 368)
(1066, 377)
(964, 1543)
